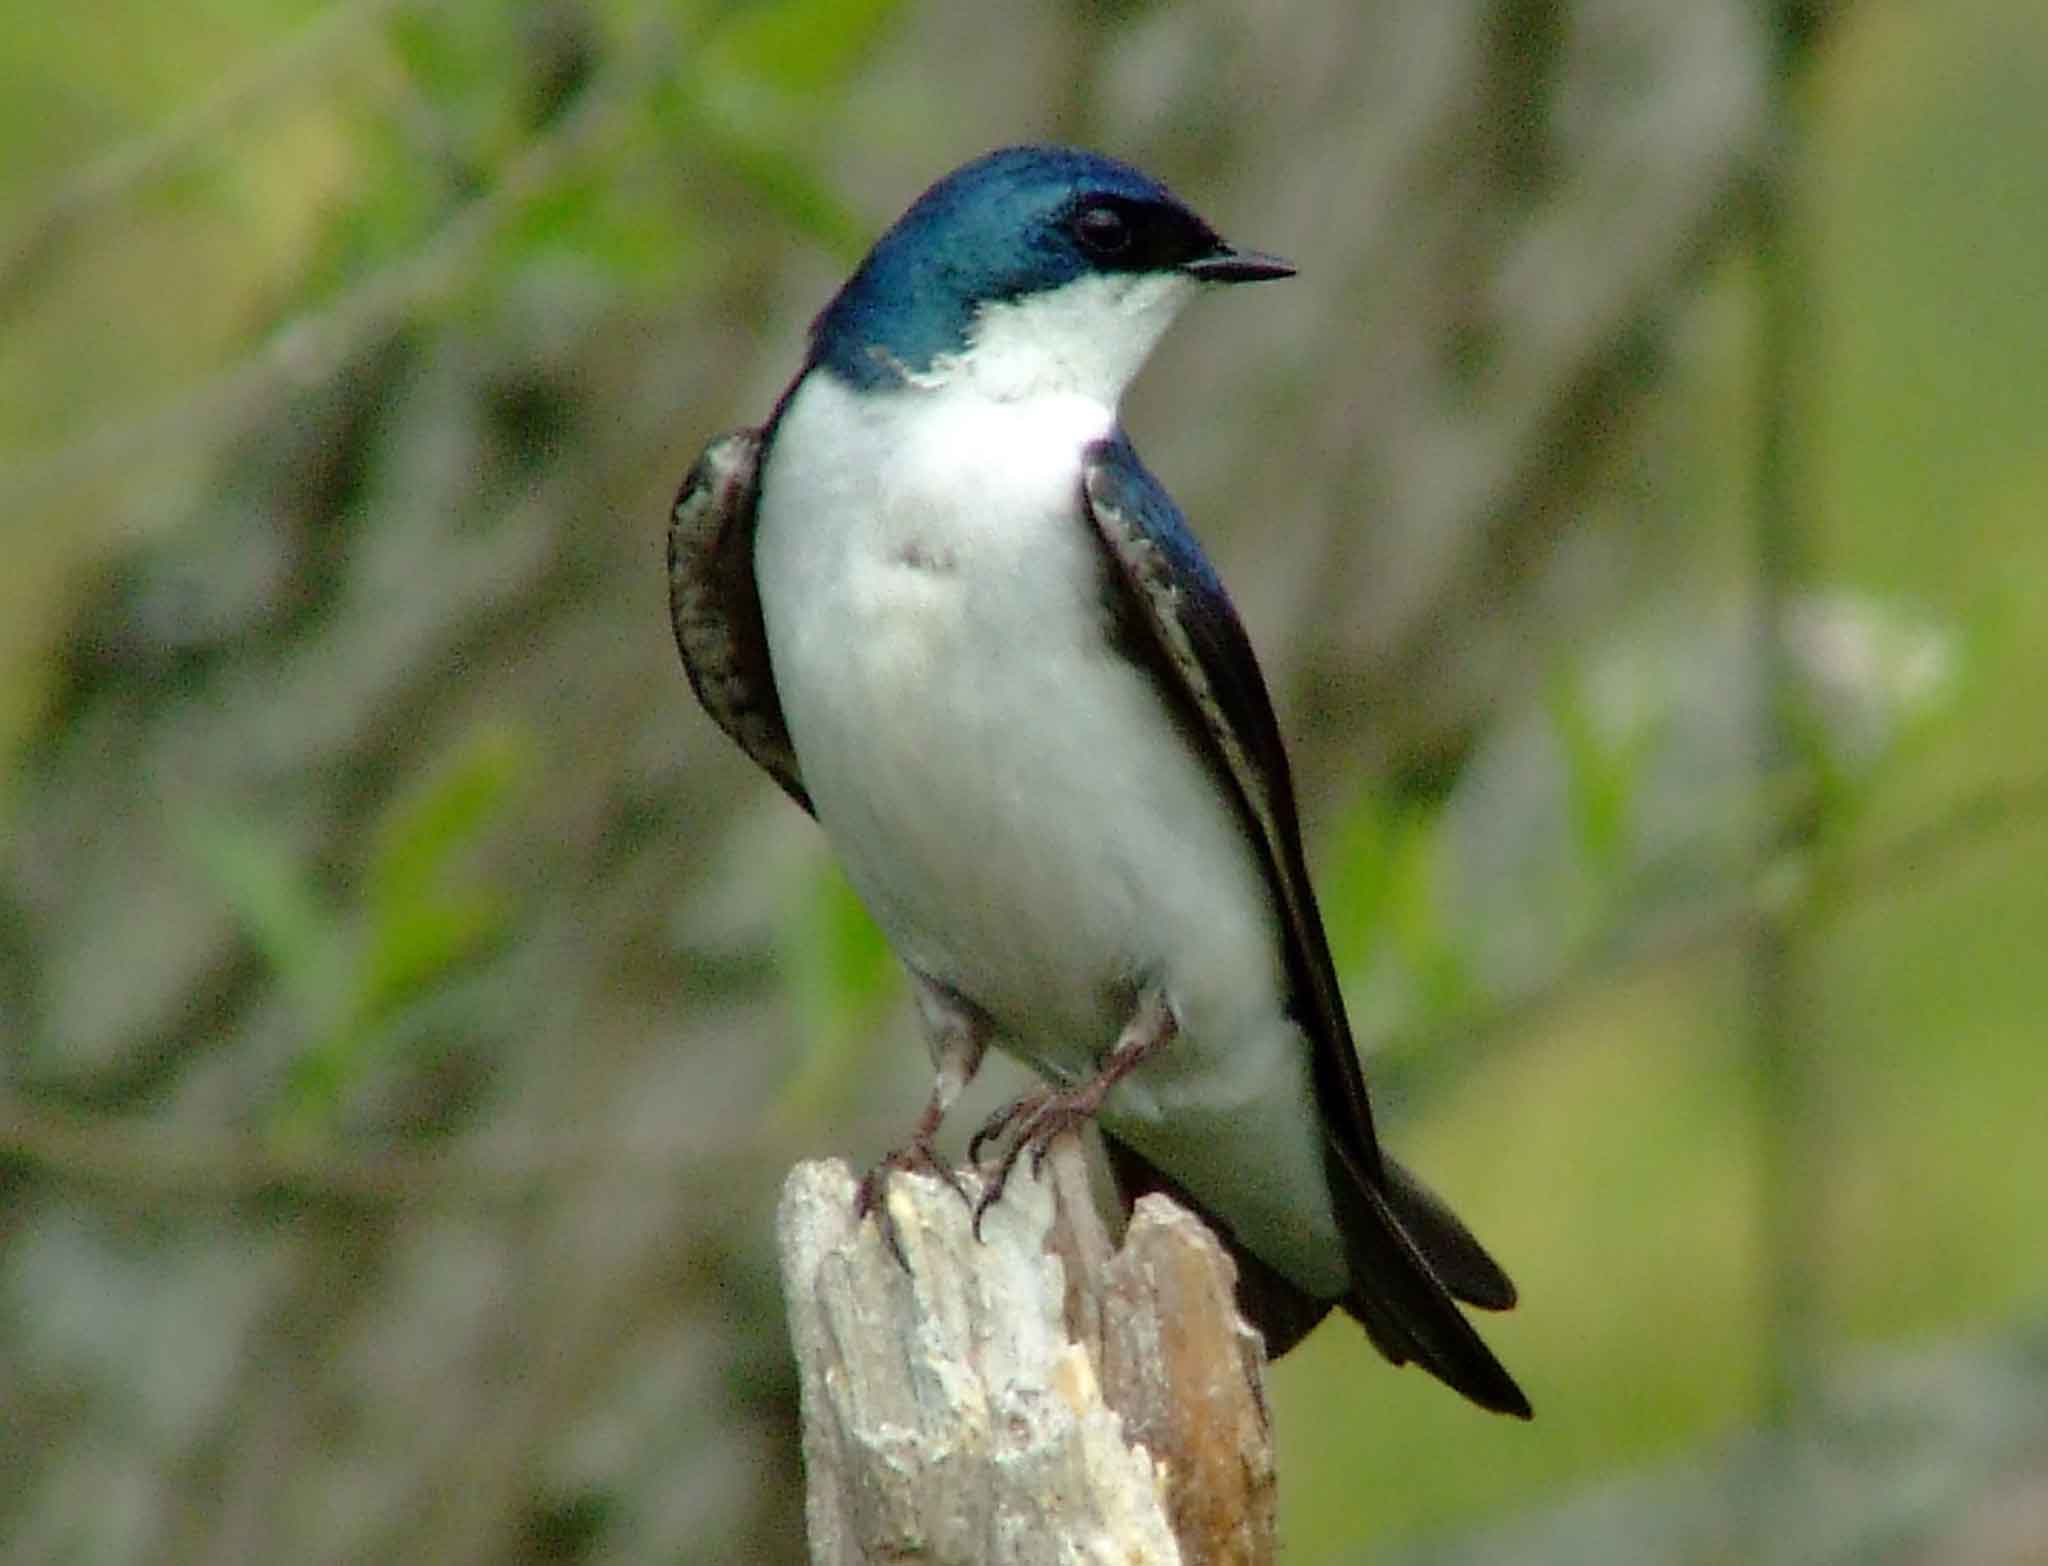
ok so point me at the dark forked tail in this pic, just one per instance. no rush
(1413, 1258)
(1411, 1262)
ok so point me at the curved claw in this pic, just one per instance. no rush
(997, 1123)
(917, 1156)
(1040, 1119)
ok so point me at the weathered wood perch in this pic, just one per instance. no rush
(1031, 1398)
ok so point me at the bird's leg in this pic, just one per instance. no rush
(958, 1033)
(1035, 1121)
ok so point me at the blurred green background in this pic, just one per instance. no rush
(410, 1003)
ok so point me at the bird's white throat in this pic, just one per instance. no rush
(1087, 338)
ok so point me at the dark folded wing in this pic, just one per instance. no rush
(716, 608)
(1407, 1253)
(1209, 664)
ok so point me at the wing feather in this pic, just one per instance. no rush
(715, 606)
(1210, 663)
(1408, 1254)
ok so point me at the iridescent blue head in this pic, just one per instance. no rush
(1029, 268)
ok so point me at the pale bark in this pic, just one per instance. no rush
(1033, 1397)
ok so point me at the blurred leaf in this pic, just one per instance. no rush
(276, 904)
(1385, 901)
(860, 970)
(800, 47)
(464, 63)
(785, 183)
(842, 976)
(388, 202)
(1354, 900)
(314, 1087)
(1416, 916)
(418, 839)
(415, 930)
(589, 218)
(416, 946)
(1602, 775)
(757, 89)
(749, 137)
(440, 50)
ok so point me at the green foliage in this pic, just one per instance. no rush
(783, 181)
(1385, 912)
(280, 910)
(751, 99)
(386, 206)
(1602, 776)
(360, 970)
(841, 977)
(460, 75)
(422, 921)
(588, 220)
(798, 48)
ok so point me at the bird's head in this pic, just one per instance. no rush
(1029, 270)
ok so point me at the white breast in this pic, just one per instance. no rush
(1009, 795)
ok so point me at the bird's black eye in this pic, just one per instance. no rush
(1102, 230)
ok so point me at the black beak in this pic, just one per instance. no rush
(1238, 266)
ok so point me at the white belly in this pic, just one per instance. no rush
(1010, 796)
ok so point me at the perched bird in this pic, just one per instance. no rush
(939, 599)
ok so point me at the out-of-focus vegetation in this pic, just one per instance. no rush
(408, 1004)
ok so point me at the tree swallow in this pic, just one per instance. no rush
(939, 599)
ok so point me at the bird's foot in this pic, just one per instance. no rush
(1033, 1123)
(1037, 1120)
(917, 1156)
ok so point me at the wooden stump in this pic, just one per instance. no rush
(1031, 1398)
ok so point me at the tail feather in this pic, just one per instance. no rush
(1459, 1261)
(1409, 1255)
(1398, 1296)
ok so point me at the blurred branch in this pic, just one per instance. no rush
(34, 240)
(1937, 1445)
(2014, 806)
(1032, 1399)
(1788, 1049)
(307, 351)
(153, 1162)
(1999, 808)
(157, 1163)
(1538, 335)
